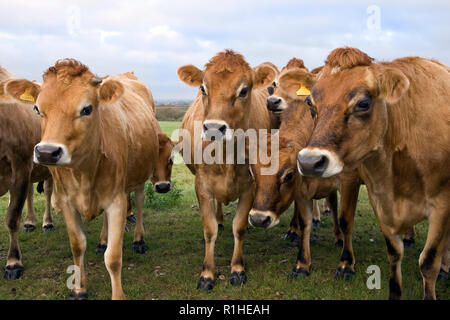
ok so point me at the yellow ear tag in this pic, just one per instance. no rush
(303, 91)
(26, 96)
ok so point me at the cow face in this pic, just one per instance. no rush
(274, 193)
(293, 83)
(226, 87)
(351, 106)
(163, 169)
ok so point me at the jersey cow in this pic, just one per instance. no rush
(390, 119)
(232, 96)
(99, 140)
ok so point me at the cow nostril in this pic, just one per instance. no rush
(321, 165)
(205, 127)
(223, 128)
(277, 102)
(266, 222)
(57, 152)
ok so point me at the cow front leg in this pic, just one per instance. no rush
(431, 258)
(325, 208)
(240, 222)
(103, 241)
(138, 242)
(304, 209)
(316, 214)
(29, 224)
(47, 222)
(349, 198)
(210, 229)
(18, 194)
(445, 264)
(116, 214)
(394, 245)
(333, 205)
(77, 240)
(294, 231)
(130, 215)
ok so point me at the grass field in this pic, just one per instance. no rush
(172, 264)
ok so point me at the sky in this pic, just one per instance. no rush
(154, 38)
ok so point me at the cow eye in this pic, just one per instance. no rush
(308, 101)
(312, 108)
(35, 108)
(363, 105)
(289, 177)
(86, 111)
(202, 89)
(271, 90)
(243, 92)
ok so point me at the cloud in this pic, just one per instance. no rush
(154, 38)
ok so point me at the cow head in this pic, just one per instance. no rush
(225, 85)
(281, 96)
(273, 193)
(163, 169)
(351, 99)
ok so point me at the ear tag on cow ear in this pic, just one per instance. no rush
(26, 96)
(303, 91)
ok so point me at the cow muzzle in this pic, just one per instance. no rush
(214, 130)
(275, 104)
(162, 187)
(52, 154)
(316, 162)
(265, 219)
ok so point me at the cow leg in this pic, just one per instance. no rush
(240, 222)
(138, 242)
(219, 216)
(326, 208)
(303, 209)
(409, 238)
(333, 203)
(77, 240)
(18, 194)
(445, 264)
(102, 244)
(210, 229)
(294, 231)
(130, 216)
(116, 214)
(431, 257)
(316, 214)
(47, 222)
(395, 249)
(349, 199)
(30, 220)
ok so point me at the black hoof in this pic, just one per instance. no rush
(345, 273)
(206, 284)
(221, 227)
(28, 227)
(316, 223)
(238, 278)
(442, 276)
(48, 227)
(100, 249)
(291, 236)
(78, 296)
(13, 272)
(339, 243)
(139, 247)
(298, 273)
(409, 243)
(131, 218)
(326, 212)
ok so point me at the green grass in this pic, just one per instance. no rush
(172, 264)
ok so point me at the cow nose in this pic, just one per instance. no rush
(312, 165)
(48, 154)
(214, 130)
(162, 187)
(260, 220)
(273, 103)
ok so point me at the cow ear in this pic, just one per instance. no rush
(191, 75)
(297, 81)
(162, 139)
(110, 91)
(22, 90)
(392, 84)
(264, 75)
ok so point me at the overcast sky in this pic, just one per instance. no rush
(153, 38)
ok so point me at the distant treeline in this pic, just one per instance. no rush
(170, 112)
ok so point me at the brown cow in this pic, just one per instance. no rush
(390, 119)
(232, 96)
(99, 139)
(276, 192)
(20, 131)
